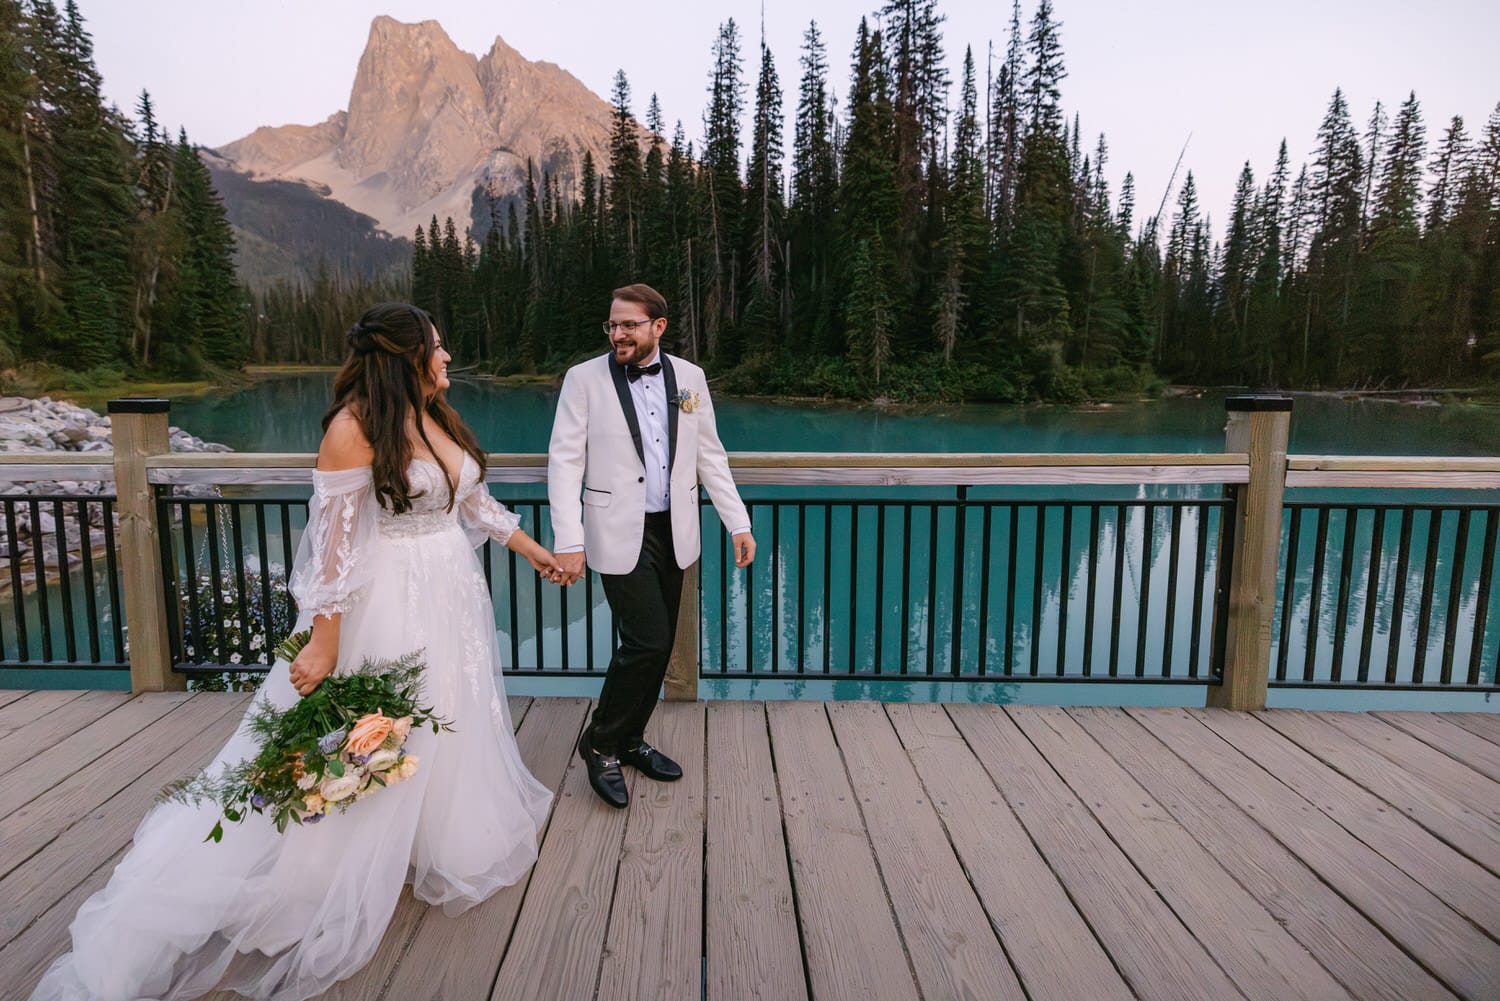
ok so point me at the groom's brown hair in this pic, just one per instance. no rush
(646, 296)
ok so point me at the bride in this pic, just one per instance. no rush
(386, 565)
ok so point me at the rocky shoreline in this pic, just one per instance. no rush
(45, 426)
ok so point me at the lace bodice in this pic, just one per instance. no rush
(344, 519)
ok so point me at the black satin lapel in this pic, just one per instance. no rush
(670, 378)
(627, 404)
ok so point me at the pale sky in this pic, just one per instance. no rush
(1237, 77)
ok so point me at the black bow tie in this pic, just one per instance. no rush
(634, 372)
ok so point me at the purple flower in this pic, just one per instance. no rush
(258, 801)
(361, 759)
(312, 819)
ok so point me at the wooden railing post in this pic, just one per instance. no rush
(1259, 426)
(138, 430)
(682, 669)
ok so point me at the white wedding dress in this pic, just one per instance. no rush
(284, 916)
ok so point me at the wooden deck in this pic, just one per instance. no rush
(864, 851)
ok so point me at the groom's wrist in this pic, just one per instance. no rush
(562, 550)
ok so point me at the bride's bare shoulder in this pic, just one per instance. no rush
(344, 444)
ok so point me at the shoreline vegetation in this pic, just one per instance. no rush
(54, 384)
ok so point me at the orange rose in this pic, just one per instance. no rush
(368, 733)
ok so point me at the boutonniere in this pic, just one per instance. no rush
(686, 401)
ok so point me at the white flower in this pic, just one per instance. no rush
(334, 790)
(234, 658)
(307, 781)
(381, 759)
(257, 641)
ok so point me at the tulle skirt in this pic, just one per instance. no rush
(287, 915)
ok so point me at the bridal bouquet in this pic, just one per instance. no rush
(331, 748)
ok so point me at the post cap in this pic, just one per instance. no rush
(1259, 404)
(140, 405)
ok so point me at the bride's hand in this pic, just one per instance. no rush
(312, 665)
(544, 563)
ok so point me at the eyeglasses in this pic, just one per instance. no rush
(629, 326)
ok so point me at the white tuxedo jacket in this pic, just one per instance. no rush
(596, 467)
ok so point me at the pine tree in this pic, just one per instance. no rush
(625, 180)
(814, 190)
(765, 214)
(722, 192)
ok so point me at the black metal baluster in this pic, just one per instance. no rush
(1093, 592)
(90, 598)
(111, 568)
(801, 588)
(241, 591)
(263, 559)
(1320, 556)
(286, 559)
(1065, 579)
(1172, 554)
(1200, 585)
(1482, 603)
(932, 550)
(1346, 580)
(880, 590)
(960, 530)
(1429, 584)
(39, 565)
(984, 588)
(64, 579)
(1372, 591)
(1455, 592)
(1014, 511)
(827, 587)
(216, 575)
(1038, 553)
(1148, 533)
(905, 587)
(536, 591)
(1114, 615)
(1403, 556)
(1288, 584)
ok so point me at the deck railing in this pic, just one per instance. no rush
(895, 567)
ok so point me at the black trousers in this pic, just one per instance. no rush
(645, 603)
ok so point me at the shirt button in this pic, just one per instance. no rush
(641, 480)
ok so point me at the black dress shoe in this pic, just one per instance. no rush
(604, 774)
(651, 763)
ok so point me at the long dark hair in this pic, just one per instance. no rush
(382, 384)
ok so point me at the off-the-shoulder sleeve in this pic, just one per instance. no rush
(333, 558)
(483, 517)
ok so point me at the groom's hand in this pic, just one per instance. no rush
(572, 566)
(744, 549)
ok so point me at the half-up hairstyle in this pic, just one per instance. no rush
(382, 384)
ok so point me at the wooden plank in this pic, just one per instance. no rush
(33, 738)
(1397, 463)
(9, 695)
(32, 706)
(1458, 881)
(655, 944)
(1149, 945)
(29, 955)
(32, 778)
(1442, 733)
(43, 817)
(1393, 480)
(38, 883)
(556, 949)
(918, 460)
(1348, 944)
(1487, 725)
(457, 957)
(752, 949)
(1039, 474)
(1438, 774)
(1453, 949)
(1364, 779)
(1048, 942)
(851, 944)
(1243, 937)
(953, 949)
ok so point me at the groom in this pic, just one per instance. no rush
(633, 438)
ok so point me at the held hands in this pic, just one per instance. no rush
(744, 549)
(571, 568)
